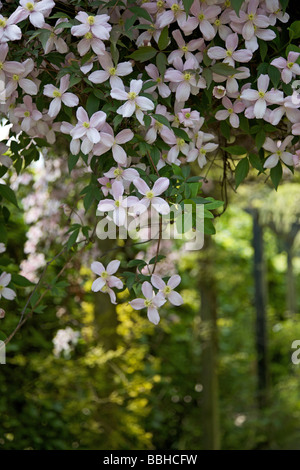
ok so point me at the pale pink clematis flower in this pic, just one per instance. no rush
(219, 92)
(151, 195)
(168, 289)
(97, 25)
(106, 185)
(175, 13)
(188, 118)
(28, 112)
(158, 127)
(88, 128)
(250, 20)
(230, 54)
(152, 302)
(231, 111)
(262, 97)
(134, 102)
(34, 10)
(204, 16)
(5, 291)
(274, 8)
(185, 49)
(184, 79)
(18, 73)
(109, 141)
(94, 29)
(9, 31)
(106, 281)
(201, 149)
(232, 85)
(289, 68)
(110, 71)
(55, 42)
(220, 23)
(59, 96)
(153, 73)
(278, 151)
(125, 175)
(119, 205)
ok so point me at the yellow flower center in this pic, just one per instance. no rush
(290, 65)
(29, 6)
(175, 7)
(104, 275)
(150, 195)
(251, 16)
(229, 53)
(86, 124)
(2, 23)
(184, 48)
(217, 22)
(158, 80)
(187, 76)
(117, 203)
(112, 71)
(261, 94)
(131, 95)
(187, 115)
(88, 35)
(91, 20)
(148, 302)
(202, 151)
(201, 17)
(159, 4)
(279, 153)
(104, 288)
(227, 3)
(167, 290)
(230, 110)
(180, 142)
(27, 114)
(108, 185)
(56, 94)
(1, 65)
(118, 172)
(16, 77)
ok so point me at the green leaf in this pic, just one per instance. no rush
(156, 259)
(209, 228)
(141, 12)
(256, 162)
(207, 74)
(236, 5)
(72, 238)
(21, 281)
(263, 49)
(223, 69)
(187, 5)
(260, 139)
(241, 171)
(92, 104)
(143, 53)
(72, 160)
(294, 30)
(225, 129)
(181, 134)
(162, 119)
(274, 75)
(235, 150)
(161, 62)
(276, 175)
(7, 193)
(163, 39)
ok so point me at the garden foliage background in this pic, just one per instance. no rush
(85, 374)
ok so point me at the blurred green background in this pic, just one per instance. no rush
(207, 377)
